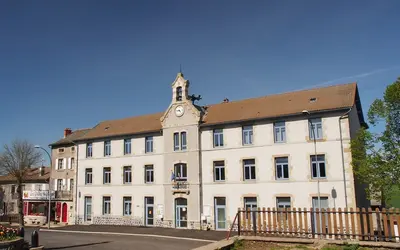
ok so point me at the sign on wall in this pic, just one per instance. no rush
(37, 195)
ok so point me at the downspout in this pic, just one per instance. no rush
(76, 185)
(200, 180)
(345, 115)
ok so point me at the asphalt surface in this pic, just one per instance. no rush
(77, 241)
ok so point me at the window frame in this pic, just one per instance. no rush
(107, 148)
(106, 171)
(282, 165)
(249, 166)
(126, 200)
(182, 169)
(183, 138)
(316, 125)
(60, 161)
(88, 172)
(72, 162)
(89, 150)
(149, 144)
(220, 169)
(106, 200)
(148, 169)
(127, 174)
(218, 137)
(247, 135)
(318, 163)
(128, 146)
(176, 141)
(280, 129)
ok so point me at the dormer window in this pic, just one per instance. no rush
(179, 93)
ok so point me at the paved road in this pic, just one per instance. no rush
(76, 241)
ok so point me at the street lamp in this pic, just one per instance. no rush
(49, 210)
(306, 112)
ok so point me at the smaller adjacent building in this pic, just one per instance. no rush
(35, 195)
(64, 156)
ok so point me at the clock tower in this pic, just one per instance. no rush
(181, 135)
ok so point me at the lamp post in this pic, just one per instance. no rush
(49, 210)
(317, 168)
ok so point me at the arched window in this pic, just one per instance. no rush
(180, 172)
(179, 93)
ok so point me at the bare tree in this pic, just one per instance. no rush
(16, 160)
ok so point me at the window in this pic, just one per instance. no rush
(249, 169)
(127, 206)
(219, 171)
(176, 141)
(72, 149)
(180, 172)
(183, 141)
(149, 144)
(315, 127)
(127, 174)
(250, 203)
(218, 138)
(107, 175)
(61, 150)
(318, 166)
(106, 205)
(60, 163)
(282, 203)
(279, 132)
(72, 162)
(282, 168)
(107, 148)
(88, 176)
(13, 189)
(149, 174)
(179, 93)
(127, 147)
(59, 184)
(89, 150)
(247, 135)
(71, 184)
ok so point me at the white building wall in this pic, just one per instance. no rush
(298, 148)
(138, 189)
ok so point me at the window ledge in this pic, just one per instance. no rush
(249, 181)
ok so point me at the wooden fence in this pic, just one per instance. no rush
(343, 224)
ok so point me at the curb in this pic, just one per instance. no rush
(127, 234)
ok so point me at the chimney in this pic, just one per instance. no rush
(226, 100)
(67, 132)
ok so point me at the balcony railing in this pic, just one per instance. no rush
(180, 187)
(63, 194)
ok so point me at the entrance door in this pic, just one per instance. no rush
(64, 212)
(149, 211)
(181, 213)
(88, 209)
(324, 205)
(219, 213)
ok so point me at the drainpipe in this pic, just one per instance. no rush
(200, 180)
(345, 115)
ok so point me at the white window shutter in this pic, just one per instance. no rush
(69, 163)
(68, 184)
(56, 166)
(65, 163)
(55, 184)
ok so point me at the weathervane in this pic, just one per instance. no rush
(194, 98)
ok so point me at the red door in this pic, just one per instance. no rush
(64, 212)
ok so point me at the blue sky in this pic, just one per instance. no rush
(75, 63)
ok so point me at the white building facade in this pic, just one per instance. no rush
(194, 166)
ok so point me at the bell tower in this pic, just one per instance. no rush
(180, 89)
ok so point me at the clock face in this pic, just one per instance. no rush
(179, 111)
